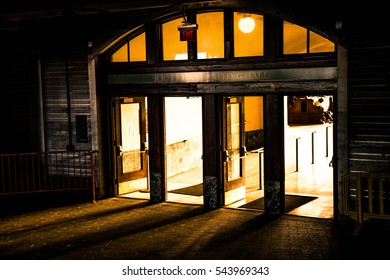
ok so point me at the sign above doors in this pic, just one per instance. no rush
(296, 74)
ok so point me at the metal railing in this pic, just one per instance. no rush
(48, 172)
(317, 139)
(366, 196)
(260, 151)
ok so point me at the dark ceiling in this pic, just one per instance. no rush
(21, 10)
(322, 15)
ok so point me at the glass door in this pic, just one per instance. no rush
(131, 144)
(233, 149)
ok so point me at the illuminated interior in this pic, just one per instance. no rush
(173, 48)
(295, 40)
(210, 35)
(138, 48)
(248, 39)
(121, 55)
(248, 43)
(135, 50)
(320, 44)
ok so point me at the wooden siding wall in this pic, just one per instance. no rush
(369, 102)
(57, 84)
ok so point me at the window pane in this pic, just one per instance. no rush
(138, 48)
(210, 35)
(120, 55)
(320, 44)
(173, 48)
(294, 39)
(234, 140)
(131, 137)
(248, 42)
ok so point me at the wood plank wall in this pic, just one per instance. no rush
(58, 84)
(369, 101)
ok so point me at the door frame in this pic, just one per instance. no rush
(141, 173)
(235, 187)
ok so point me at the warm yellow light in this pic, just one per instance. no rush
(246, 24)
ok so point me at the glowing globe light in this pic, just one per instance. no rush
(246, 24)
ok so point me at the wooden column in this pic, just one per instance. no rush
(156, 130)
(211, 154)
(340, 160)
(273, 154)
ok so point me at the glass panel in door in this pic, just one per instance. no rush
(234, 151)
(131, 144)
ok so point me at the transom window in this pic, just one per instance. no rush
(247, 34)
(299, 40)
(173, 48)
(133, 50)
(210, 35)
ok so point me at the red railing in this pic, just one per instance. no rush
(48, 172)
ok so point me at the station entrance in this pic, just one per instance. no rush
(219, 106)
(308, 147)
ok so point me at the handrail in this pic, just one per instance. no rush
(48, 172)
(363, 197)
(260, 151)
(310, 135)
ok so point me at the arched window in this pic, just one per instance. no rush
(210, 41)
(210, 38)
(173, 48)
(121, 55)
(137, 47)
(299, 40)
(320, 44)
(247, 31)
(248, 35)
(134, 50)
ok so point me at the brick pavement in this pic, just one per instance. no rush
(127, 229)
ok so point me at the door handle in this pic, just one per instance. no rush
(119, 151)
(225, 156)
(144, 147)
(243, 151)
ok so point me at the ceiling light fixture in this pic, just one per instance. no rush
(246, 24)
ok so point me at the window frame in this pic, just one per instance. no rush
(307, 53)
(273, 41)
(126, 41)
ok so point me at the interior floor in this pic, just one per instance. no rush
(311, 176)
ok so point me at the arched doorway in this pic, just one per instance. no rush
(221, 87)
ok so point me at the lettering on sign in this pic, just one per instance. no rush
(187, 35)
(303, 74)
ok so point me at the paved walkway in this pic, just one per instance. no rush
(126, 229)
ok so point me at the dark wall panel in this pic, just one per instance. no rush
(66, 91)
(18, 93)
(369, 103)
